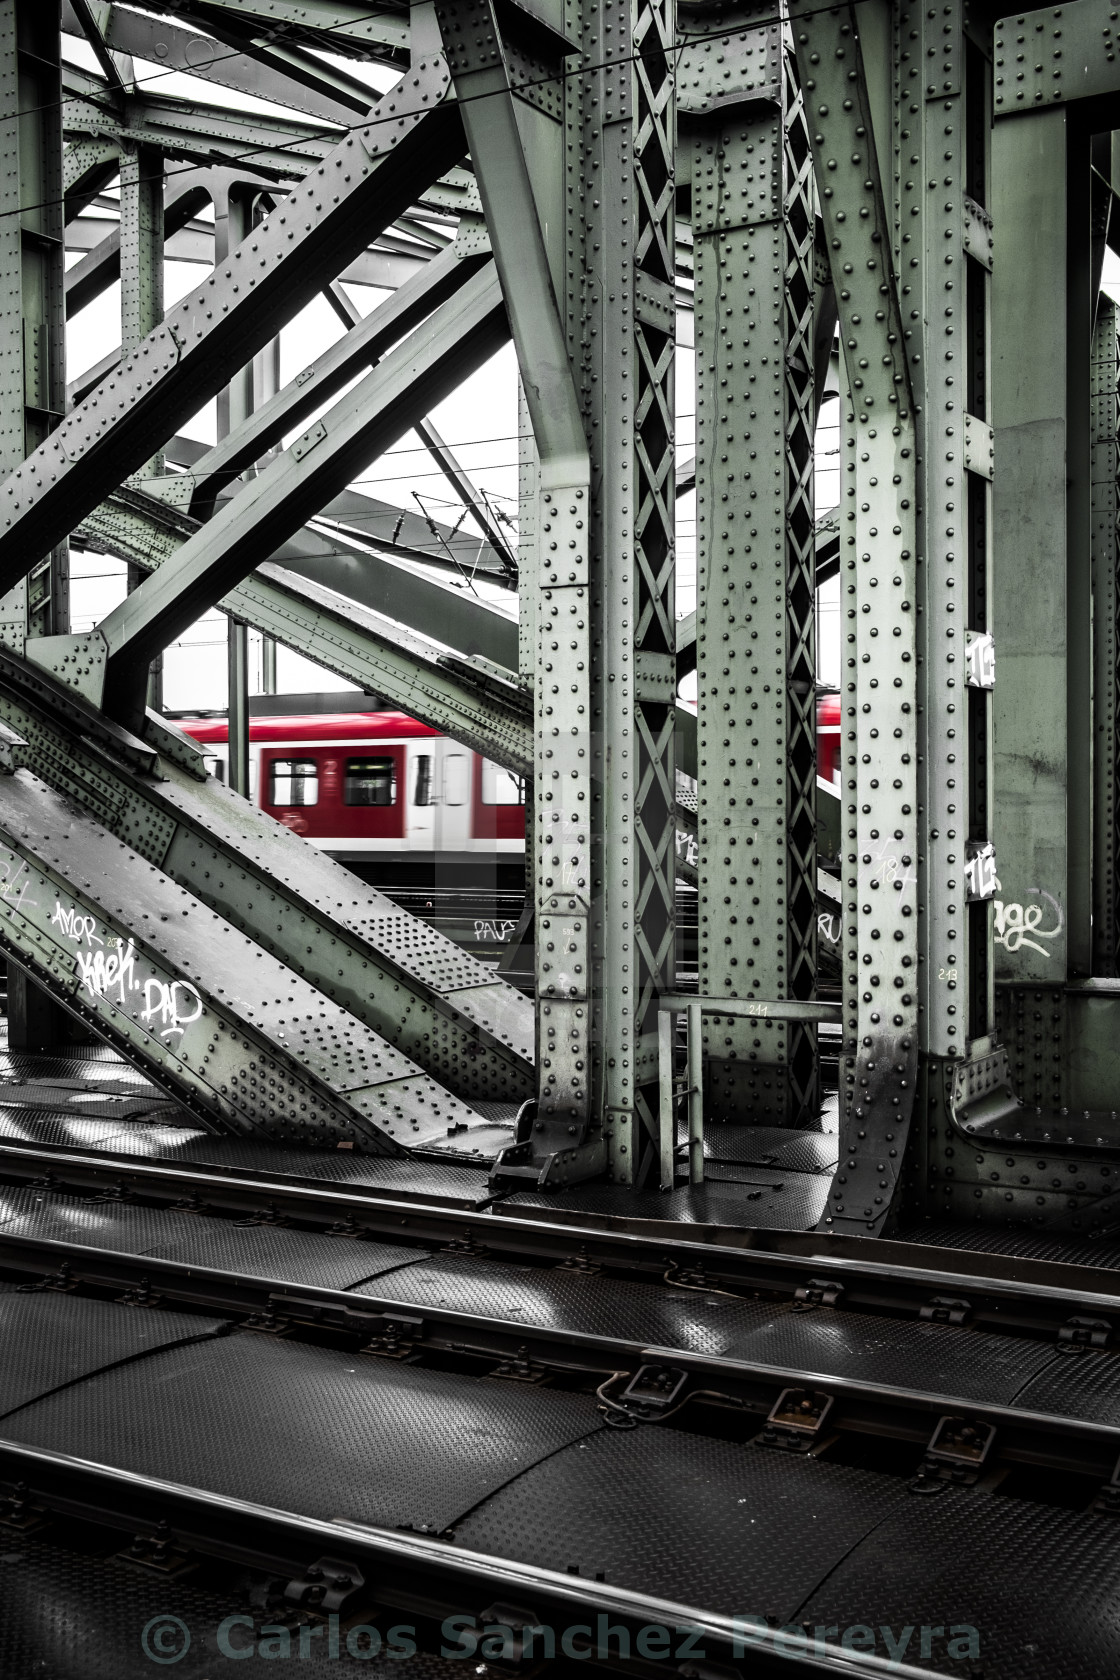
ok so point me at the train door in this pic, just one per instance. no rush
(422, 787)
(453, 812)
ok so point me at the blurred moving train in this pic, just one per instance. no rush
(391, 797)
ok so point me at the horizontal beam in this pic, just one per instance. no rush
(1059, 55)
(370, 179)
(673, 1002)
(274, 149)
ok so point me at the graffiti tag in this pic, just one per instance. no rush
(495, 932)
(1021, 924)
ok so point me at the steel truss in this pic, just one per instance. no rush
(576, 178)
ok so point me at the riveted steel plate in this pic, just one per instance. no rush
(248, 1042)
(899, 1353)
(69, 1615)
(1040, 1587)
(653, 1314)
(735, 1529)
(311, 1429)
(50, 1339)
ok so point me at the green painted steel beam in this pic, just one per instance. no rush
(161, 42)
(448, 1013)
(1059, 55)
(262, 148)
(361, 348)
(241, 1040)
(293, 486)
(879, 670)
(374, 174)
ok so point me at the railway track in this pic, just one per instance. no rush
(285, 1402)
(284, 1399)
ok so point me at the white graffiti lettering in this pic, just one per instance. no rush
(103, 972)
(830, 926)
(74, 925)
(1021, 924)
(496, 932)
(172, 1006)
(689, 846)
(15, 886)
(889, 870)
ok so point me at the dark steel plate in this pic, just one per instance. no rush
(1041, 1586)
(735, 1529)
(774, 1202)
(1026, 1245)
(299, 1257)
(311, 1429)
(651, 1313)
(68, 1616)
(48, 1339)
(899, 1353)
(1081, 1385)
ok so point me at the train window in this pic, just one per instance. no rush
(295, 781)
(215, 766)
(422, 791)
(501, 787)
(455, 779)
(370, 781)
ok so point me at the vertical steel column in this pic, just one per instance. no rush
(236, 212)
(620, 192)
(142, 295)
(800, 227)
(141, 248)
(268, 665)
(32, 356)
(1029, 598)
(237, 670)
(1105, 423)
(878, 556)
(753, 228)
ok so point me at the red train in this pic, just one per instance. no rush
(370, 787)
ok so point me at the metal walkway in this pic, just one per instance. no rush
(424, 1427)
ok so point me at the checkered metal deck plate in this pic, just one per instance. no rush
(736, 1529)
(311, 1429)
(49, 1339)
(1041, 1588)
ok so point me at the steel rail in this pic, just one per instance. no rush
(999, 1292)
(416, 1574)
